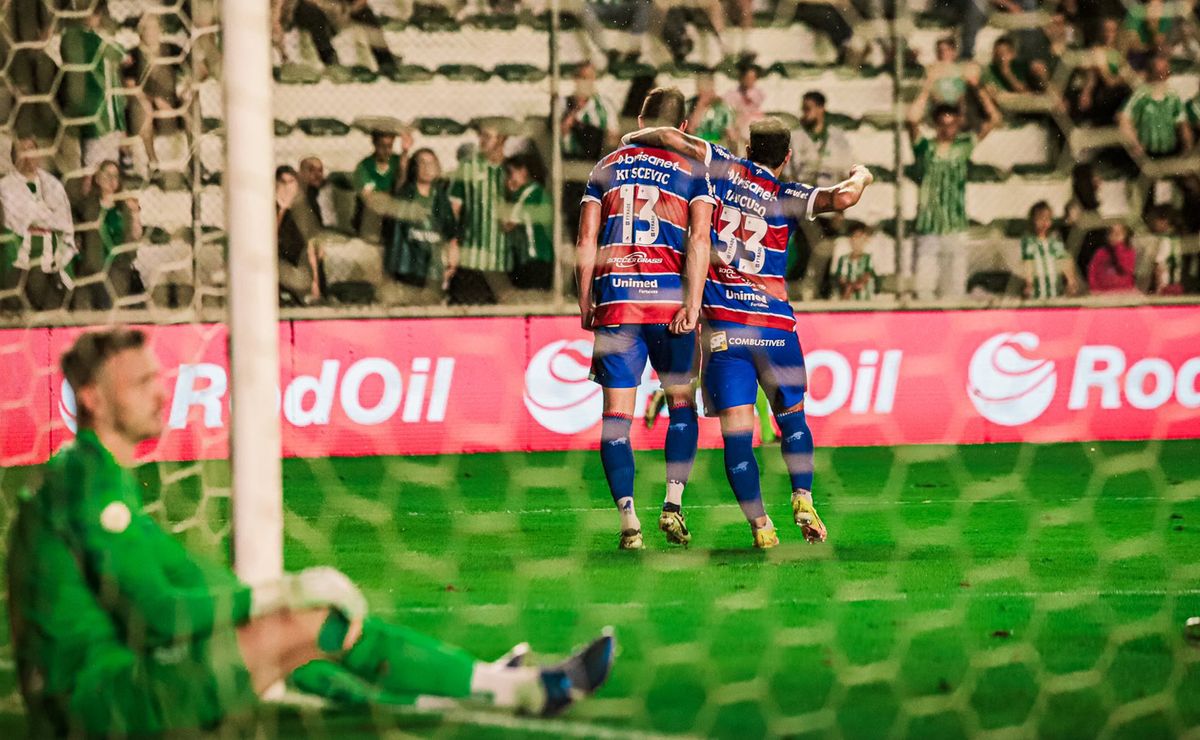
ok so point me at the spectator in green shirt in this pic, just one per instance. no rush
(426, 239)
(528, 225)
(590, 122)
(710, 117)
(1150, 28)
(378, 173)
(948, 78)
(939, 263)
(477, 193)
(853, 272)
(110, 222)
(1168, 256)
(39, 228)
(92, 89)
(1006, 73)
(1043, 257)
(1104, 81)
(1153, 121)
(821, 153)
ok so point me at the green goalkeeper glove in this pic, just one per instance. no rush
(311, 588)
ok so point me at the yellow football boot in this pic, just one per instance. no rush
(631, 539)
(765, 538)
(672, 525)
(807, 519)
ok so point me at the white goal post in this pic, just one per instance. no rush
(253, 290)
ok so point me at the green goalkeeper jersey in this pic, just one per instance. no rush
(98, 589)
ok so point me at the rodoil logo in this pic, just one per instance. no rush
(1007, 387)
(558, 392)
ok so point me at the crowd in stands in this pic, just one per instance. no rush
(479, 230)
(71, 217)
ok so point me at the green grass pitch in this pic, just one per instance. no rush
(1042, 589)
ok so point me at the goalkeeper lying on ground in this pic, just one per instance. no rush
(118, 630)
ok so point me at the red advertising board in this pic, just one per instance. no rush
(429, 386)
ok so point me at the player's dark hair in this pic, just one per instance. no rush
(284, 169)
(664, 106)
(770, 142)
(1005, 41)
(856, 227)
(815, 96)
(83, 361)
(1037, 208)
(944, 109)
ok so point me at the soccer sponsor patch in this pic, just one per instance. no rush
(718, 342)
(115, 517)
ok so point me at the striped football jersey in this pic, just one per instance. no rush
(754, 216)
(644, 195)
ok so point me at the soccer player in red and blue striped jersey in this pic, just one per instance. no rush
(633, 246)
(749, 337)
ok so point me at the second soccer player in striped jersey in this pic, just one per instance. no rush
(633, 237)
(749, 336)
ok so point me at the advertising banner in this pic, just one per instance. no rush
(436, 386)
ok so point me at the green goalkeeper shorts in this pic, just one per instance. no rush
(189, 686)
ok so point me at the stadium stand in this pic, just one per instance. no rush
(438, 87)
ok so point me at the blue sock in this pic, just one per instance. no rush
(742, 471)
(617, 455)
(681, 442)
(797, 443)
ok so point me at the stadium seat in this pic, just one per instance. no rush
(494, 22)
(464, 72)
(322, 127)
(409, 73)
(520, 72)
(297, 74)
(351, 261)
(997, 282)
(341, 73)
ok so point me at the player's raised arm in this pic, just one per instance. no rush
(671, 139)
(845, 194)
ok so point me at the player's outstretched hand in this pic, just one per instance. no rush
(863, 172)
(685, 320)
(324, 586)
(848, 192)
(312, 588)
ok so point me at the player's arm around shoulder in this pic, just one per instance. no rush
(673, 140)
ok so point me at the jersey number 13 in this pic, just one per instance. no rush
(648, 196)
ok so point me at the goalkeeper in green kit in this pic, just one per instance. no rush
(117, 630)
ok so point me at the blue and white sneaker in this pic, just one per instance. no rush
(578, 676)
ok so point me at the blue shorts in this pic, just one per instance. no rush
(738, 358)
(620, 353)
